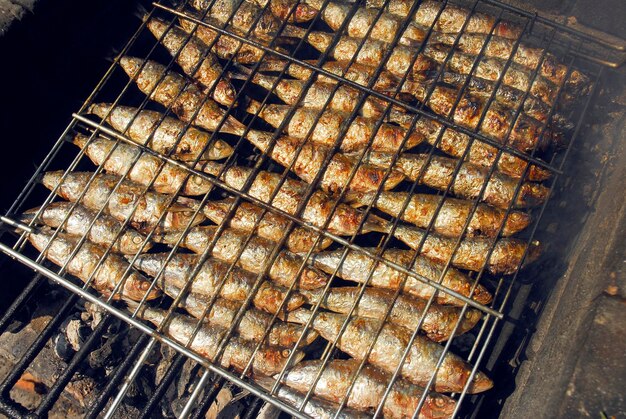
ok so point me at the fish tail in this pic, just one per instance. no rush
(377, 224)
(300, 316)
(292, 31)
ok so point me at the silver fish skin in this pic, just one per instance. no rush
(255, 254)
(344, 220)
(172, 90)
(162, 133)
(325, 127)
(450, 219)
(367, 393)
(315, 407)
(238, 284)
(472, 253)
(83, 265)
(250, 217)
(252, 325)
(439, 173)
(141, 167)
(389, 345)
(237, 353)
(121, 201)
(439, 320)
(104, 230)
(357, 266)
(307, 159)
(196, 60)
(287, 10)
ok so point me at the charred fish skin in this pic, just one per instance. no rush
(252, 325)
(325, 127)
(439, 320)
(472, 253)
(150, 206)
(438, 173)
(315, 407)
(161, 133)
(238, 284)
(237, 352)
(195, 59)
(287, 10)
(388, 347)
(76, 221)
(368, 391)
(284, 269)
(171, 90)
(288, 196)
(250, 217)
(357, 266)
(450, 218)
(307, 160)
(141, 167)
(83, 265)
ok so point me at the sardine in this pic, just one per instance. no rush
(438, 324)
(472, 253)
(368, 390)
(325, 127)
(237, 285)
(254, 256)
(224, 46)
(315, 407)
(451, 19)
(451, 217)
(344, 220)
(122, 201)
(83, 265)
(252, 325)
(250, 217)
(168, 178)
(287, 10)
(439, 173)
(162, 134)
(196, 60)
(171, 90)
(104, 230)
(206, 342)
(389, 345)
(357, 266)
(307, 159)
(342, 98)
(242, 15)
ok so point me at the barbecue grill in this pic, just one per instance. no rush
(484, 346)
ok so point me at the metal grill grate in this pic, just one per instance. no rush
(559, 40)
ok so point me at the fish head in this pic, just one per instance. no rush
(132, 242)
(131, 65)
(137, 286)
(52, 179)
(438, 406)
(271, 360)
(480, 383)
(224, 92)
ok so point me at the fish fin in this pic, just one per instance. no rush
(240, 72)
(377, 224)
(141, 12)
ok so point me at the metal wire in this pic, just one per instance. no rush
(131, 367)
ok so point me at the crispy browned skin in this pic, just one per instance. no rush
(357, 267)
(315, 407)
(165, 135)
(141, 167)
(83, 265)
(196, 60)
(250, 217)
(388, 347)
(286, 9)
(307, 160)
(371, 384)
(80, 221)
(450, 219)
(238, 284)
(172, 90)
(472, 253)
(325, 128)
(344, 220)
(206, 341)
(439, 320)
(439, 173)
(252, 325)
(255, 254)
(122, 200)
